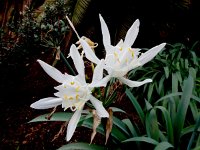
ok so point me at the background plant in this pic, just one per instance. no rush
(168, 69)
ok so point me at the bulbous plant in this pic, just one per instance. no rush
(74, 92)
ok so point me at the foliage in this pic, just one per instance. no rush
(168, 69)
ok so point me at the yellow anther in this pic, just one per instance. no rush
(77, 88)
(71, 98)
(120, 48)
(129, 49)
(132, 54)
(65, 97)
(65, 86)
(77, 96)
(116, 55)
(72, 83)
(126, 60)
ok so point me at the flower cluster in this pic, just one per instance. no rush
(73, 91)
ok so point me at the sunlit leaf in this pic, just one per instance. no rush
(82, 146)
(58, 116)
(142, 139)
(163, 146)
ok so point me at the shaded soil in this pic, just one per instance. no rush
(17, 133)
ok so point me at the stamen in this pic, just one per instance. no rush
(71, 98)
(126, 60)
(77, 88)
(120, 48)
(116, 55)
(77, 96)
(65, 97)
(72, 83)
(132, 54)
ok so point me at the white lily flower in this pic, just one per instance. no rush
(73, 92)
(122, 58)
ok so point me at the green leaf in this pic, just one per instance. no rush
(194, 134)
(182, 107)
(194, 109)
(115, 109)
(152, 125)
(58, 116)
(163, 146)
(168, 123)
(168, 96)
(79, 11)
(166, 69)
(121, 125)
(130, 127)
(82, 146)
(142, 139)
(136, 105)
(174, 83)
(150, 91)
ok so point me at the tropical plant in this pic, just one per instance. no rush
(169, 69)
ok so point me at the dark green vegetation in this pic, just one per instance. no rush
(163, 114)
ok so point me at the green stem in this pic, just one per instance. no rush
(66, 62)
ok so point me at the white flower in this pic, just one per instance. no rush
(73, 92)
(122, 58)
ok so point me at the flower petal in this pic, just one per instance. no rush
(105, 34)
(47, 103)
(133, 83)
(98, 71)
(131, 34)
(103, 82)
(89, 52)
(150, 54)
(73, 124)
(101, 111)
(77, 59)
(52, 72)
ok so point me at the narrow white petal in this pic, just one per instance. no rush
(103, 82)
(52, 72)
(101, 111)
(105, 34)
(47, 103)
(89, 52)
(98, 71)
(150, 54)
(134, 83)
(77, 59)
(131, 34)
(73, 124)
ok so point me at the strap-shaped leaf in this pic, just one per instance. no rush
(82, 146)
(163, 146)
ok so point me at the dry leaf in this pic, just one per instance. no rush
(96, 122)
(61, 131)
(48, 117)
(109, 124)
